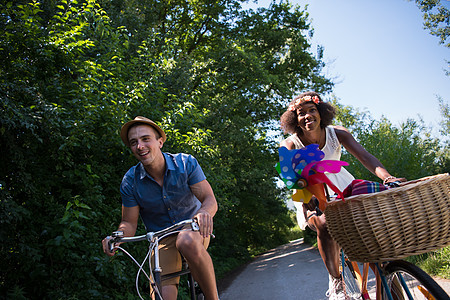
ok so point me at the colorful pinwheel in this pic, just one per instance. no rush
(306, 165)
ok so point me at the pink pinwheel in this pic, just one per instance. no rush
(318, 178)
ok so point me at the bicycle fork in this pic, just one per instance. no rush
(156, 284)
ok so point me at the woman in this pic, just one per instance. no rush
(308, 120)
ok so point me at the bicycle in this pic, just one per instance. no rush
(358, 228)
(155, 278)
(395, 279)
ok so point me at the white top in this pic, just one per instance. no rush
(332, 151)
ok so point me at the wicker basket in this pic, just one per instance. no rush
(409, 220)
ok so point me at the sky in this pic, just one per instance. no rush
(380, 57)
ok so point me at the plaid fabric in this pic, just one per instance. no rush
(359, 186)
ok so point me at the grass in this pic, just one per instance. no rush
(435, 263)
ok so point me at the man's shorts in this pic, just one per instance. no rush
(170, 258)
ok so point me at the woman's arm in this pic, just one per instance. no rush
(288, 144)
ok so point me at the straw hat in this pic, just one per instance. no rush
(140, 120)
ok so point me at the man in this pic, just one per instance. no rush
(164, 189)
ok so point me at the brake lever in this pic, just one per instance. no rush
(113, 239)
(195, 227)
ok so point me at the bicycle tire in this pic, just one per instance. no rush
(352, 287)
(414, 277)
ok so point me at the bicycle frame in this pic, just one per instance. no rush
(153, 238)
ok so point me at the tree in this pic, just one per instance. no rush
(59, 99)
(407, 150)
(444, 154)
(214, 76)
(436, 19)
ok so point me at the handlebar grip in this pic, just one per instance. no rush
(115, 237)
(110, 244)
(393, 184)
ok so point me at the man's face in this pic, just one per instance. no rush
(145, 143)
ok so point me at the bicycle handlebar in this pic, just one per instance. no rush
(117, 236)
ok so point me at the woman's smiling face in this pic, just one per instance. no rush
(308, 116)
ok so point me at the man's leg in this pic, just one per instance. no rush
(170, 261)
(190, 244)
(170, 292)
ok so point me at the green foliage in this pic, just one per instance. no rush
(58, 139)
(436, 19)
(72, 72)
(406, 151)
(435, 263)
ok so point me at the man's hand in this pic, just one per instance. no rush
(105, 244)
(205, 223)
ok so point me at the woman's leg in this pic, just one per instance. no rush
(328, 248)
(329, 251)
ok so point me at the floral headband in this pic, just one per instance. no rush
(301, 100)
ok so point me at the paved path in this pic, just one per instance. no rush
(283, 273)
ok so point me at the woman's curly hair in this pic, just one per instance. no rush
(289, 119)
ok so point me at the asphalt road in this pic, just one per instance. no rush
(292, 271)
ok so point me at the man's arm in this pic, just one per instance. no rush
(128, 225)
(130, 217)
(205, 214)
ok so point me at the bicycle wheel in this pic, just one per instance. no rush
(352, 285)
(404, 279)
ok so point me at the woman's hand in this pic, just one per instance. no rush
(390, 179)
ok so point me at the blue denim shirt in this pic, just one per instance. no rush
(163, 206)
